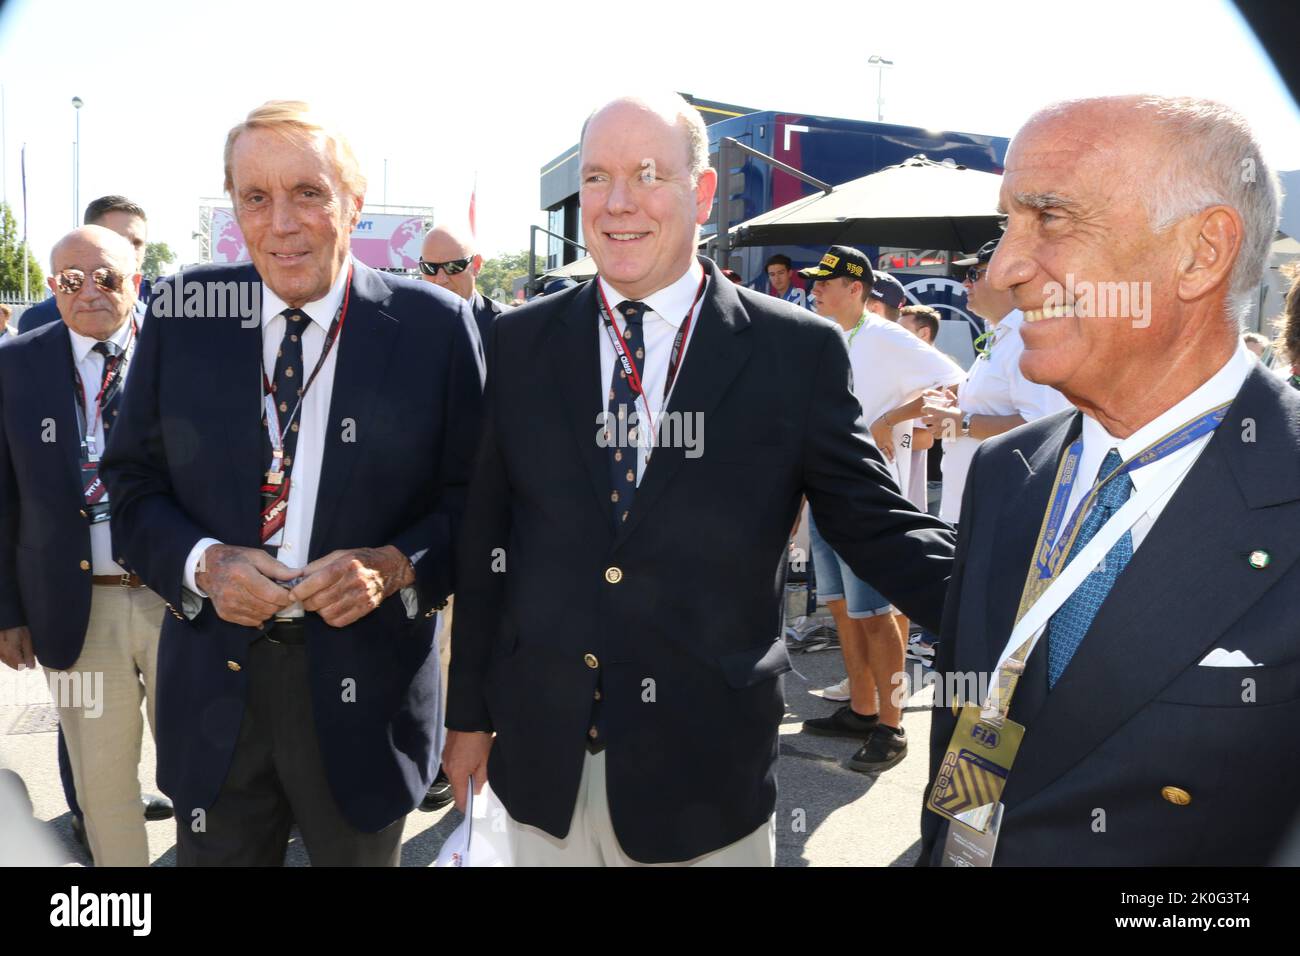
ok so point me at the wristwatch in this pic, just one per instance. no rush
(965, 423)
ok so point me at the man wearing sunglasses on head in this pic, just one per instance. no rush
(448, 259)
(65, 600)
(127, 220)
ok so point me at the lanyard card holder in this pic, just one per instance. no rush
(968, 787)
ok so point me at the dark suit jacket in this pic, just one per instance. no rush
(44, 535)
(1134, 712)
(486, 311)
(184, 462)
(42, 313)
(686, 638)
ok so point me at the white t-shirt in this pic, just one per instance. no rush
(891, 366)
(994, 386)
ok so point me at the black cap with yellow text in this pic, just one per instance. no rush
(841, 261)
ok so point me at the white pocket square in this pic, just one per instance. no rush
(1224, 658)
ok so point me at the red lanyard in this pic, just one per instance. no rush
(335, 330)
(675, 357)
(111, 370)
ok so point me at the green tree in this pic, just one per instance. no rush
(156, 257)
(11, 259)
(497, 277)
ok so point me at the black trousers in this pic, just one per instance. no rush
(277, 779)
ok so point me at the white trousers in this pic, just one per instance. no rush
(592, 842)
(98, 699)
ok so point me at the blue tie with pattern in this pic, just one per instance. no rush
(622, 402)
(1071, 621)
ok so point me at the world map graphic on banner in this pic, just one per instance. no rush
(380, 241)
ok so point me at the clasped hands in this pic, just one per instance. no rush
(247, 586)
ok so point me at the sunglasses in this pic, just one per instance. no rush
(71, 281)
(974, 272)
(453, 268)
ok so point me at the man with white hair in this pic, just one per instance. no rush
(290, 476)
(1127, 574)
(649, 439)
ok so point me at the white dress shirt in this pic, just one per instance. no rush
(1221, 387)
(665, 312)
(90, 366)
(994, 386)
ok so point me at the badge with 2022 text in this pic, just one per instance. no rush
(970, 781)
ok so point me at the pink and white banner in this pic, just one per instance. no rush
(380, 241)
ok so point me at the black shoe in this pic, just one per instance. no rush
(157, 807)
(439, 794)
(79, 833)
(884, 749)
(843, 723)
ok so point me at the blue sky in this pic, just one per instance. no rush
(498, 88)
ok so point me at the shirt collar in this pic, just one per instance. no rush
(82, 344)
(322, 311)
(672, 302)
(1219, 388)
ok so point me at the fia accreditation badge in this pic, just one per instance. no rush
(968, 787)
(967, 847)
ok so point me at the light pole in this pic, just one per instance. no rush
(76, 165)
(879, 62)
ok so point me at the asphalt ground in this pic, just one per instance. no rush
(827, 814)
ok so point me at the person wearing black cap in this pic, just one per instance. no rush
(886, 297)
(890, 367)
(996, 396)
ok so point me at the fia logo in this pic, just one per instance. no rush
(985, 735)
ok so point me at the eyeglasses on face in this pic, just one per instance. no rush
(453, 268)
(72, 281)
(973, 273)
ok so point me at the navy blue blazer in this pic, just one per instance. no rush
(42, 313)
(185, 462)
(675, 617)
(486, 311)
(45, 537)
(1135, 713)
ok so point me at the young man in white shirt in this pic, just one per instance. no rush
(890, 367)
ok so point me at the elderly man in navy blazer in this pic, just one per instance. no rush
(65, 601)
(1128, 574)
(290, 477)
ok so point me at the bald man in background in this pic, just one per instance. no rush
(65, 601)
(448, 259)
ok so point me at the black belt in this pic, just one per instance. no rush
(289, 630)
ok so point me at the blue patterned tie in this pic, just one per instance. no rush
(622, 402)
(1071, 621)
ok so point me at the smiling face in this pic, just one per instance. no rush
(640, 209)
(1076, 219)
(294, 211)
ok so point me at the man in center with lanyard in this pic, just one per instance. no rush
(620, 579)
(65, 601)
(1127, 582)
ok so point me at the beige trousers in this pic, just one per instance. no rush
(98, 700)
(592, 842)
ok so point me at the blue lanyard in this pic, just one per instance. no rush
(1055, 540)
